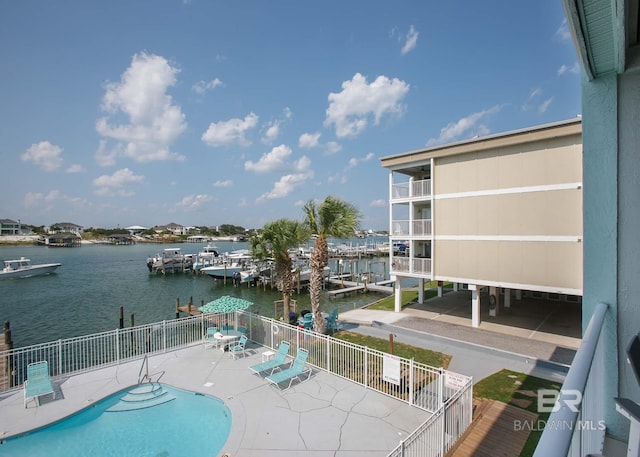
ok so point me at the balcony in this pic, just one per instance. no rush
(411, 189)
(419, 227)
(413, 265)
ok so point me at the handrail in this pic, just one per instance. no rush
(556, 441)
(145, 363)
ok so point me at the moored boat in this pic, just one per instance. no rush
(170, 260)
(22, 268)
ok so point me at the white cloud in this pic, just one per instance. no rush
(349, 110)
(411, 41)
(154, 122)
(117, 183)
(271, 133)
(309, 140)
(535, 93)
(380, 203)
(75, 168)
(204, 86)
(35, 199)
(565, 69)
(469, 126)
(354, 161)
(227, 183)
(286, 185)
(193, 202)
(273, 128)
(563, 33)
(544, 105)
(333, 147)
(271, 161)
(229, 132)
(45, 155)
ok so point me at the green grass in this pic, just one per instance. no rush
(506, 386)
(409, 297)
(431, 358)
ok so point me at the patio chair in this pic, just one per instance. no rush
(210, 336)
(332, 321)
(38, 382)
(238, 347)
(278, 360)
(306, 321)
(296, 369)
(242, 330)
(227, 328)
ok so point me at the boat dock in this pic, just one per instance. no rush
(348, 286)
(6, 344)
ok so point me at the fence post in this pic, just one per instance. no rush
(164, 336)
(366, 366)
(441, 387)
(117, 347)
(443, 421)
(328, 354)
(59, 357)
(411, 368)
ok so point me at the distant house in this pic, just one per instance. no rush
(175, 229)
(136, 229)
(9, 227)
(66, 227)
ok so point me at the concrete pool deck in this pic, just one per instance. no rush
(322, 416)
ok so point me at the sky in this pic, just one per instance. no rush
(203, 112)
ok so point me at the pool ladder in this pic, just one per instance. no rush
(145, 366)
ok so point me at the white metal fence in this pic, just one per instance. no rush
(446, 394)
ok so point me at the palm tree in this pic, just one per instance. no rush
(332, 218)
(274, 240)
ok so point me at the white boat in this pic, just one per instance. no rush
(22, 268)
(170, 260)
(228, 264)
(207, 257)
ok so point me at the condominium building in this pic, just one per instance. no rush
(501, 212)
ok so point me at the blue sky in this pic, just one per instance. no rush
(119, 113)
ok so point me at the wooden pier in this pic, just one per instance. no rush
(6, 344)
(348, 286)
(189, 309)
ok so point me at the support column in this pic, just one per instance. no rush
(421, 290)
(507, 298)
(518, 294)
(439, 288)
(475, 305)
(397, 290)
(494, 301)
(455, 286)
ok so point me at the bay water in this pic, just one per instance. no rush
(85, 294)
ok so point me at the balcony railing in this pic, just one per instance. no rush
(421, 227)
(575, 427)
(411, 189)
(416, 265)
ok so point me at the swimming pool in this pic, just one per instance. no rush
(190, 424)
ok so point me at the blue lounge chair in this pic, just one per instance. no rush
(38, 382)
(238, 347)
(278, 360)
(294, 372)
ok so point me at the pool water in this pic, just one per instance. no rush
(191, 425)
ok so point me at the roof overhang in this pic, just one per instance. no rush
(605, 35)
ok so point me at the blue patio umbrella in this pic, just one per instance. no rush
(225, 304)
